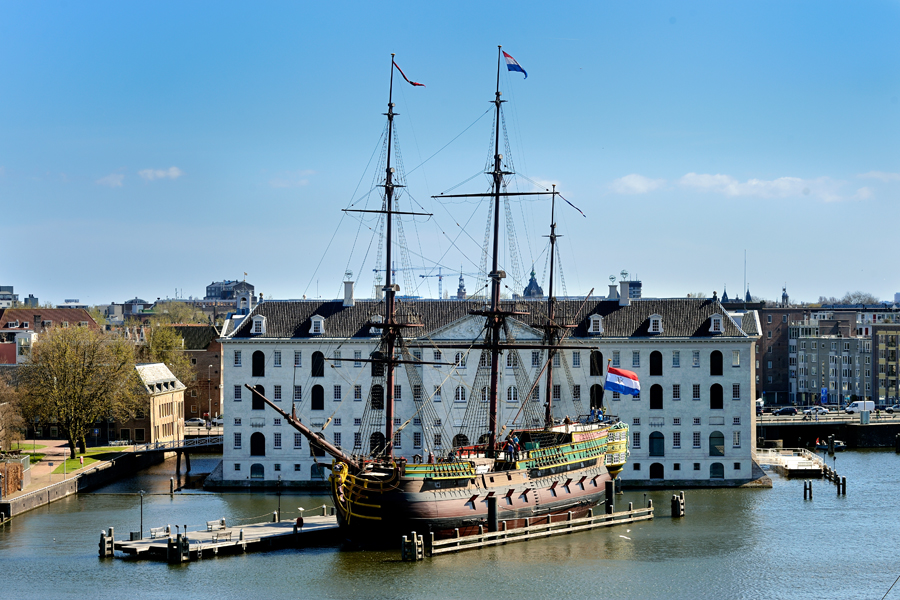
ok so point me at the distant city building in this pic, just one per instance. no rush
(228, 290)
(461, 290)
(8, 298)
(204, 394)
(72, 303)
(30, 302)
(533, 290)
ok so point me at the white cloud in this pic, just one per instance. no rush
(113, 180)
(823, 188)
(292, 179)
(862, 193)
(170, 173)
(881, 176)
(636, 184)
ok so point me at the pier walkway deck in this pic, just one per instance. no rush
(791, 462)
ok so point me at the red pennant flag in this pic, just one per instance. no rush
(405, 77)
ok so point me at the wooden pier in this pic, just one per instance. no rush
(792, 462)
(418, 546)
(219, 539)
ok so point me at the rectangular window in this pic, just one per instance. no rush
(297, 467)
(337, 439)
(735, 439)
(696, 394)
(784, 318)
(417, 392)
(437, 357)
(617, 396)
(576, 359)
(357, 422)
(736, 391)
(398, 389)
(512, 360)
(735, 420)
(696, 466)
(276, 392)
(337, 393)
(438, 439)
(437, 393)
(616, 359)
(695, 358)
(277, 358)
(576, 392)
(735, 358)
(237, 466)
(237, 393)
(635, 420)
(357, 440)
(676, 359)
(696, 439)
(237, 440)
(298, 393)
(277, 439)
(636, 440)
(676, 421)
(337, 359)
(635, 358)
(676, 391)
(676, 439)
(417, 439)
(298, 440)
(357, 358)
(556, 360)
(237, 358)
(768, 318)
(535, 359)
(298, 359)
(237, 421)
(337, 422)
(398, 440)
(357, 393)
(557, 391)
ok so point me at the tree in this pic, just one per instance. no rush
(178, 312)
(76, 376)
(858, 297)
(696, 295)
(10, 419)
(163, 344)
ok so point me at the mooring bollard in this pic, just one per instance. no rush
(171, 485)
(275, 517)
(843, 486)
(630, 506)
(650, 503)
(897, 443)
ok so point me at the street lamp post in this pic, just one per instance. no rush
(209, 399)
(279, 498)
(142, 514)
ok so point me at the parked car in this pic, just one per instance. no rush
(816, 410)
(893, 409)
(195, 422)
(787, 410)
(218, 421)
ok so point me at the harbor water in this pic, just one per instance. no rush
(732, 543)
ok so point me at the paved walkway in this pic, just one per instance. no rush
(54, 451)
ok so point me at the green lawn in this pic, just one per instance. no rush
(92, 455)
(24, 446)
(35, 458)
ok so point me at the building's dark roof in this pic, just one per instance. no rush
(681, 317)
(196, 336)
(73, 316)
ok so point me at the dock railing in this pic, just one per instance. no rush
(794, 457)
(212, 440)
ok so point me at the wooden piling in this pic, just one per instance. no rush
(107, 543)
(843, 486)
(610, 497)
(678, 505)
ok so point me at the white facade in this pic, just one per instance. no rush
(672, 430)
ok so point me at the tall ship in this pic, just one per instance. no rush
(537, 467)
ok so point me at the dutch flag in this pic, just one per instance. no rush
(622, 381)
(512, 65)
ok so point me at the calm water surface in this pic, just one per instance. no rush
(732, 544)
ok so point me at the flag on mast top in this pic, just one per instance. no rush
(512, 65)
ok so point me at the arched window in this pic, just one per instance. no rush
(376, 443)
(460, 394)
(717, 471)
(318, 398)
(656, 397)
(716, 444)
(484, 438)
(512, 394)
(377, 397)
(377, 366)
(315, 450)
(596, 364)
(460, 360)
(715, 396)
(657, 444)
(485, 360)
(258, 403)
(512, 359)
(715, 363)
(257, 471)
(259, 364)
(596, 396)
(318, 364)
(657, 471)
(460, 440)
(258, 444)
(656, 364)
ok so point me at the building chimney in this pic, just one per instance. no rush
(613, 292)
(624, 294)
(348, 294)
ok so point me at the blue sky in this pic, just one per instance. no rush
(149, 147)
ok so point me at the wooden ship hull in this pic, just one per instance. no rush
(387, 500)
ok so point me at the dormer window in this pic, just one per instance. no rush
(318, 325)
(13, 323)
(595, 325)
(24, 324)
(259, 325)
(46, 324)
(656, 324)
(716, 324)
(376, 330)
